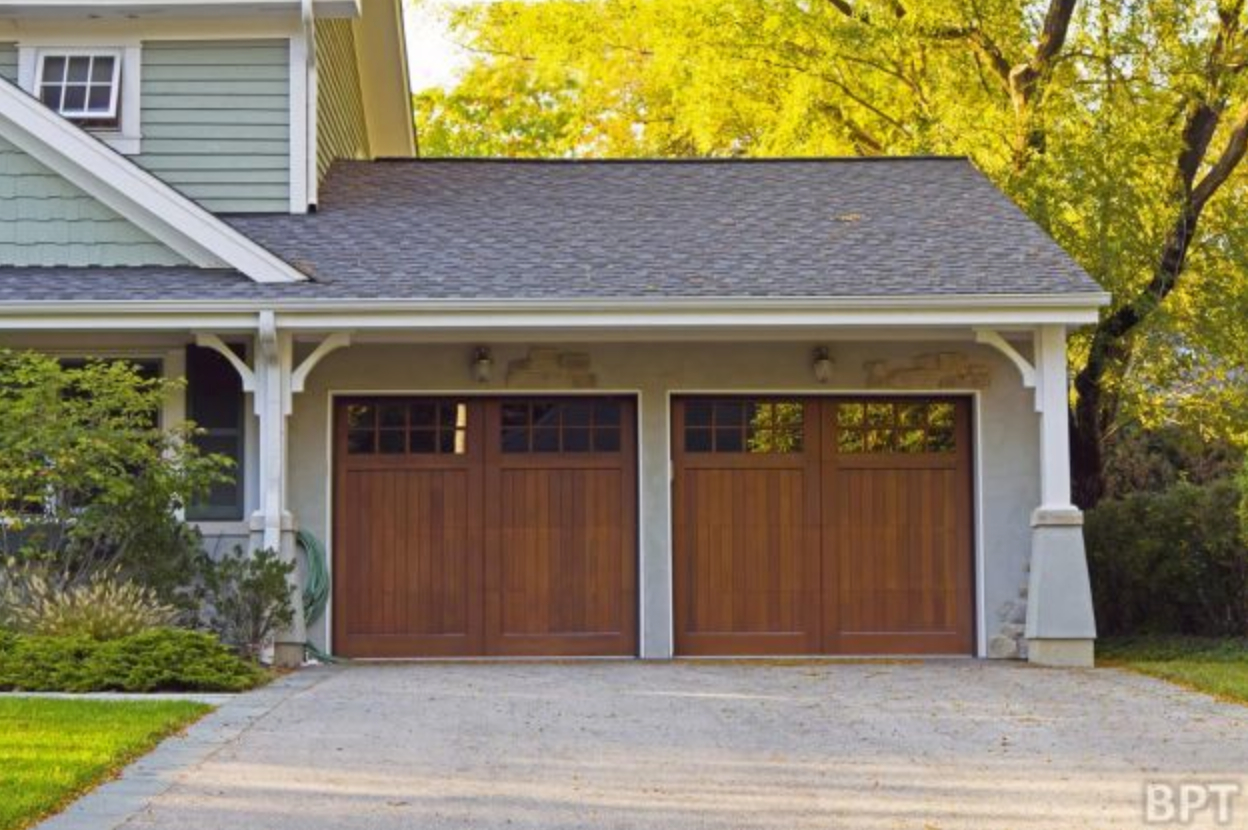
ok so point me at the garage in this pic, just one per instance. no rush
(485, 527)
(823, 525)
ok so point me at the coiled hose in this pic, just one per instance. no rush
(315, 587)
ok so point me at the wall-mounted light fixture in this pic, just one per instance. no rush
(482, 365)
(821, 364)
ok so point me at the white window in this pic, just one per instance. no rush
(94, 84)
(85, 86)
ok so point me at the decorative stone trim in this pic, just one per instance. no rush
(546, 368)
(939, 370)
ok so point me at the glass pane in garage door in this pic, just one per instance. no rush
(755, 427)
(561, 426)
(888, 427)
(401, 428)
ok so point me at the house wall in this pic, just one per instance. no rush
(216, 121)
(342, 129)
(8, 62)
(46, 221)
(1007, 434)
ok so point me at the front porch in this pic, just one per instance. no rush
(900, 566)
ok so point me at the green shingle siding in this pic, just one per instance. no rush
(342, 130)
(216, 121)
(46, 221)
(8, 62)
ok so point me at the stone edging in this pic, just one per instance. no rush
(113, 803)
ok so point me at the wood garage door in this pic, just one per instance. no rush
(834, 526)
(474, 527)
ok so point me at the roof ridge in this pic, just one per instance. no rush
(725, 160)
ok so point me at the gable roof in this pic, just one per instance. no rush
(915, 232)
(133, 193)
(766, 228)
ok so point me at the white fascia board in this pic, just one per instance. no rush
(135, 194)
(165, 8)
(676, 315)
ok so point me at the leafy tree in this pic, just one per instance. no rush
(90, 479)
(1119, 126)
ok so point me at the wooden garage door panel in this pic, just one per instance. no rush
(897, 544)
(829, 525)
(746, 529)
(459, 532)
(746, 563)
(561, 538)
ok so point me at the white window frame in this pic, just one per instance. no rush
(128, 136)
(92, 55)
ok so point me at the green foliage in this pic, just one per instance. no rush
(1170, 562)
(1090, 151)
(101, 607)
(1216, 666)
(160, 660)
(247, 597)
(88, 476)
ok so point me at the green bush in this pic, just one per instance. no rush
(246, 598)
(102, 605)
(161, 660)
(1171, 562)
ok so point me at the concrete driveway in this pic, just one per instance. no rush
(685, 745)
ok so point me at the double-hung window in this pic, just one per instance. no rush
(83, 86)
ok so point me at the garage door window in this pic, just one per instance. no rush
(745, 426)
(424, 428)
(875, 427)
(561, 426)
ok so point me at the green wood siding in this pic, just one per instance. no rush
(46, 221)
(216, 121)
(342, 130)
(8, 62)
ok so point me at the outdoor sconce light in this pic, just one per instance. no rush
(821, 364)
(482, 365)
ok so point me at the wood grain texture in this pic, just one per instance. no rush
(484, 553)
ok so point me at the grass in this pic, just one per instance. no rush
(1218, 667)
(52, 751)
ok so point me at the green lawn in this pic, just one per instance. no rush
(52, 751)
(1216, 666)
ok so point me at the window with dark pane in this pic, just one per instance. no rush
(906, 427)
(215, 403)
(85, 88)
(759, 427)
(571, 426)
(400, 427)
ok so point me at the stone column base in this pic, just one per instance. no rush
(1064, 653)
(1061, 627)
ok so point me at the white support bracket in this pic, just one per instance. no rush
(211, 341)
(332, 343)
(993, 338)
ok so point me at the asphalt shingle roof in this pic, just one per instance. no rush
(538, 230)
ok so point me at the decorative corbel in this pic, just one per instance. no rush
(332, 343)
(993, 338)
(211, 341)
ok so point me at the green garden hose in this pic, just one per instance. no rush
(315, 586)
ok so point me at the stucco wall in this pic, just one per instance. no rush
(1007, 429)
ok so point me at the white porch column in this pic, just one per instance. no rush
(272, 526)
(1061, 628)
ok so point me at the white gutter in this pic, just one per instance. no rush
(565, 315)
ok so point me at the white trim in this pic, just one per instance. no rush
(205, 340)
(299, 126)
(127, 9)
(981, 555)
(729, 317)
(332, 343)
(140, 197)
(1055, 493)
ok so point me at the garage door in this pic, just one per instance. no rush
(473, 527)
(833, 526)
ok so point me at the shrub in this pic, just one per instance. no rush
(247, 598)
(1173, 562)
(88, 476)
(161, 660)
(102, 606)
